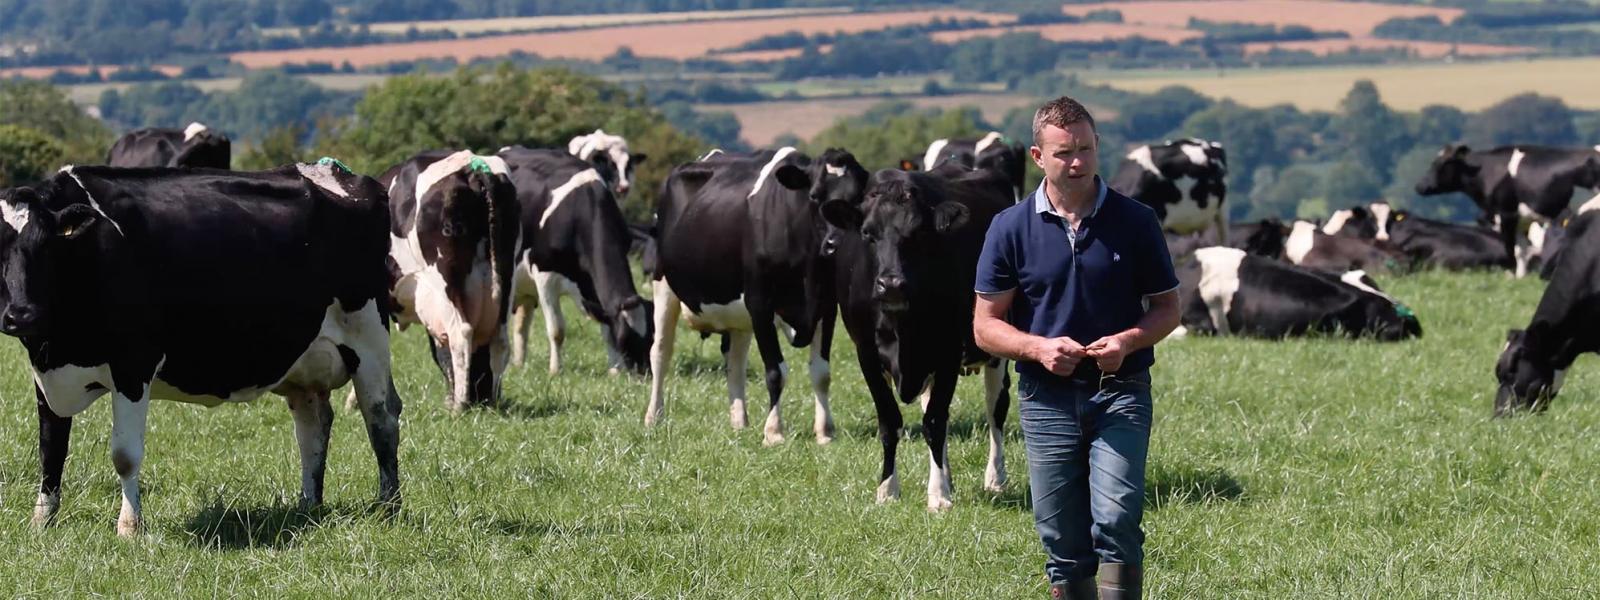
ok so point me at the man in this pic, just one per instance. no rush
(1075, 284)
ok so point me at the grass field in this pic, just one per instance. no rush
(1302, 469)
(1468, 86)
(762, 122)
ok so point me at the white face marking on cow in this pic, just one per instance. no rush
(1219, 282)
(1141, 156)
(1380, 213)
(931, 157)
(92, 203)
(732, 316)
(1516, 161)
(1337, 221)
(192, 130)
(772, 165)
(558, 195)
(16, 215)
(988, 140)
(323, 177)
(834, 171)
(1196, 154)
(1301, 237)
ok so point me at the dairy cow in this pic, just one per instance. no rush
(1154, 174)
(193, 146)
(1228, 292)
(1535, 359)
(609, 156)
(991, 152)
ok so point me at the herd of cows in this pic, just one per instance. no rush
(164, 275)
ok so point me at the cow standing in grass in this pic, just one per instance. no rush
(1566, 324)
(199, 286)
(1155, 173)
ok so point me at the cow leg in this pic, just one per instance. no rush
(128, 416)
(889, 420)
(460, 348)
(1508, 238)
(499, 360)
(1221, 222)
(54, 433)
(521, 325)
(821, 382)
(997, 397)
(936, 428)
(667, 309)
(613, 356)
(378, 399)
(777, 372)
(555, 326)
(313, 419)
(736, 357)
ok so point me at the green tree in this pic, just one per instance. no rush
(42, 108)
(279, 147)
(1250, 140)
(879, 140)
(1282, 199)
(1436, 125)
(1523, 119)
(27, 155)
(1351, 182)
(1371, 133)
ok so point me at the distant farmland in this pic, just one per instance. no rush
(1409, 87)
(474, 26)
(675, 41)
(1355, 18)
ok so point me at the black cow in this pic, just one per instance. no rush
(1227, 292)
(575, 241)
(906, 262)
(991, 152)
(1307, 246)
(455, 235)
(195, 146)
(1514, 183)
(740, 245)
(200, 286)
(1152, 174)
(1535, 359)
(1553, 239)
(609, 156)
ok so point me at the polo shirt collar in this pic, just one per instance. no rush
(1041, 200)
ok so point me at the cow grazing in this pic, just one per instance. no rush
(991, 152)
(1307, 246)
(1152, 174)
(200, 286)
(905, 268)
(1514, 183)
(740, 245)
(1535, 359)
(575, 241)
(609, 156)
(454, 239)
(194, 146)
(1228, 292)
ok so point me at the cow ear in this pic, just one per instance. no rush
(950, 215)
(1461, 151)
(638, 157)
(793, 177)
(74, 220)
(842, 214)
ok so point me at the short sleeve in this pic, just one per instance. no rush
(1157, 275)
(997, 270)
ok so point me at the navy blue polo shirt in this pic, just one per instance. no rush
(1084, 285)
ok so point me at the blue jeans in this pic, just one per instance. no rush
(1087, 443)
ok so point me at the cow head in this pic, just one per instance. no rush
(1528, 381)
(36, 244)
(1356, 222)
(609, 155)
(204, 147)
(633, 332)
(905, 220)
(1450, 172)
(1267, 238)
(1010, 159)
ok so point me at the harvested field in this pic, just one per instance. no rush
(1408, 87)
(1356, 18)
(675, 41)
(1078, 32)
(472, 26)
(762, 122)
(1422, 49)
(46, 72)
(767, 55)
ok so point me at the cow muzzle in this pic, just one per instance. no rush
(20, 320)
(890, 292)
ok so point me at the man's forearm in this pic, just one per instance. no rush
(1154, 326)
(999, 338)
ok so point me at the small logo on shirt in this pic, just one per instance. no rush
(1116, 257)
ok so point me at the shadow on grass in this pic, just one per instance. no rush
(1168, 485)
(580, 528)
(223, 527)
(530, 411)
(960, 429)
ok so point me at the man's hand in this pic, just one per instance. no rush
(1058, 355)
(1108, 353)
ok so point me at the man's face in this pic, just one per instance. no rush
(1067, 156)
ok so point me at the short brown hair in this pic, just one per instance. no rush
(1060, 112)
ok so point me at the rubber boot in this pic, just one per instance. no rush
(1120, 582)
(1082, 589)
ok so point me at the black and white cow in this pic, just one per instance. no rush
(1513, 185)
(991, 152)
(609, 156)
(740, 247)
(1565, 325)
(1308, 246)
(194, 146)
(1553, 239)
(575, 242)
(1228, 292)
(454, 239)
(200, 286)
(1155, 174)
(905, 265)
(1425, 242)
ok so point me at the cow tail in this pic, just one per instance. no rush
(492, 195)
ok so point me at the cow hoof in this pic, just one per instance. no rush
(824, 439)
(994, 481)
(824, 433)
(738, 419)
(772, 438)
(128, 526)
(889, 490)
(938, 505)
(614, 371)
(44, 510)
